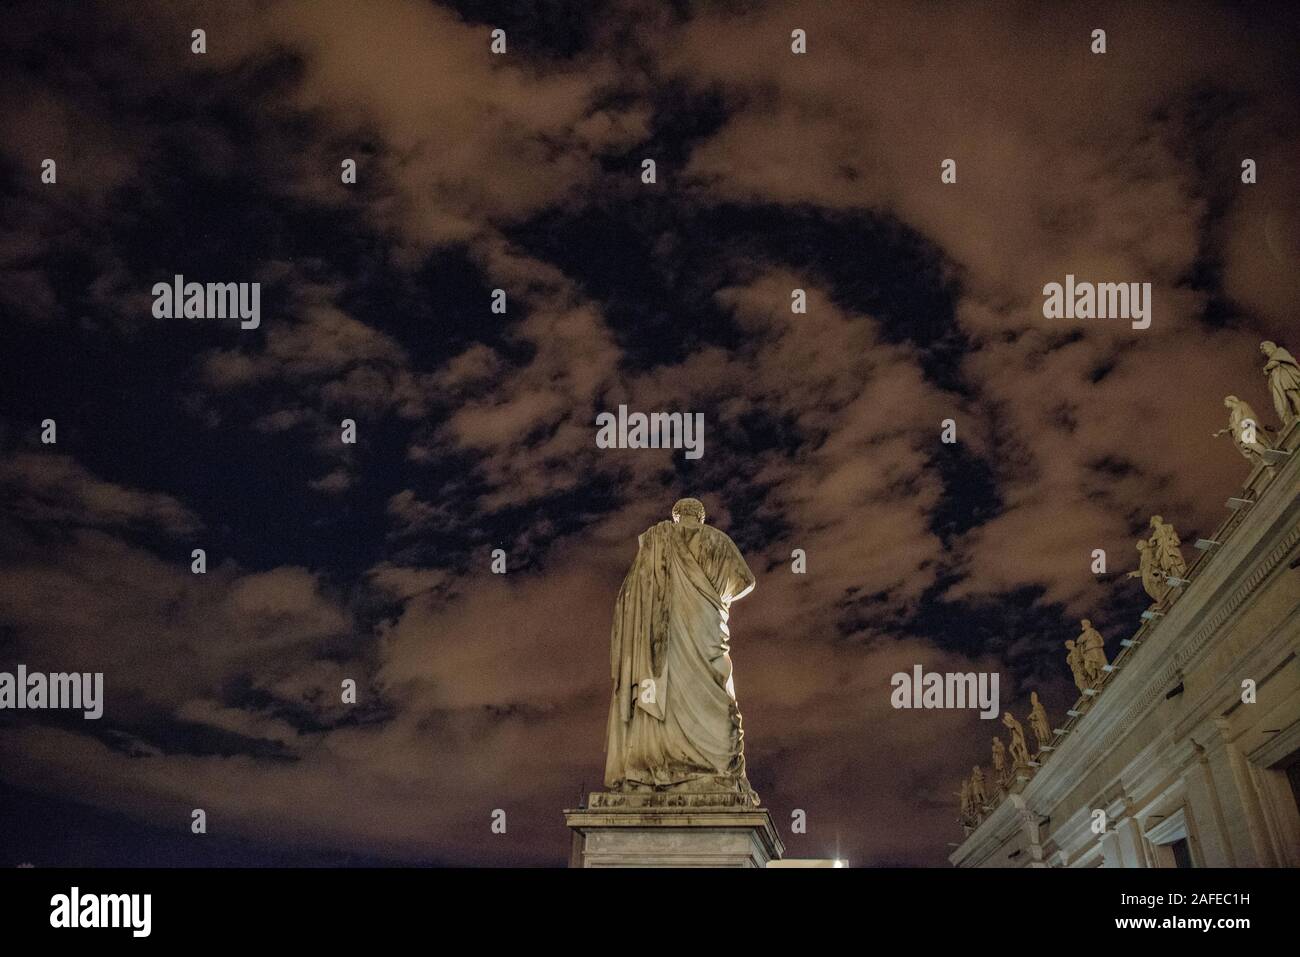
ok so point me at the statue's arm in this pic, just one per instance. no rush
(746, 587)
(744, 578)
(626, 593)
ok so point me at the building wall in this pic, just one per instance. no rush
(1168, 749)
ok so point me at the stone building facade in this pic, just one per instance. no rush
(1170, 760)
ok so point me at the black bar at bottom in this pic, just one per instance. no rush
(582, 908)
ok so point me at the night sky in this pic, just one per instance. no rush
(478, 171)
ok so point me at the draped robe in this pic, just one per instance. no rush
(1165, 543)
(1093, 647)
(1238, 415)
(1284, 384)
(673, 717)
(1152, 581)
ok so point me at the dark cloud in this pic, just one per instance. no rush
(371, 561)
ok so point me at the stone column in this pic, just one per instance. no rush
(1206, 809)
(1128, 844)
(1247, 799)
(1034, 837)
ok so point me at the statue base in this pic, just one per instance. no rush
(672, 829)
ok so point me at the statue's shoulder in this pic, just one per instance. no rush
(657, 530)
(718, 536)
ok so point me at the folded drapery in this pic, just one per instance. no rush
(673, 716)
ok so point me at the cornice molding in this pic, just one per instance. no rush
(1257, 542)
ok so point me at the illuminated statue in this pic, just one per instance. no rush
(978, 797)
(1246, 430)
(1074, 658)
(1018, 749)
(1152, 581)
(1166, 545)
(1283, 382)
(999, 762)
(1093, 649)
(1038, 721)
(673, 720)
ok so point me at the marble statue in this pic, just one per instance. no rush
(1153, 583)
(1166, 545)
(673, 720)
(1283, 376)
(1246, 429)
(999, 762)
(978, 797)
(1074, 658)
(1018, 749)
(1038, 721)
(1093, 648)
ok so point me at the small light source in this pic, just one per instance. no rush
(1175, 582)
(1128, 642)
(1237, 503)
(1150, 615)
(1046, 747)
(1205, 544)
(1109, 668)
(1090, 692)
(1074, 714)
(808, 862)
(1061, 730)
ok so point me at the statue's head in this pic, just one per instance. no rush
(1156, 521)
(692, 507)
(1033, 697)
(1142, 545)
(1069, 643)
(1230, 400)
(1086, 624)
(1267, 347)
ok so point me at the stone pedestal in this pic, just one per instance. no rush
(665, 829)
